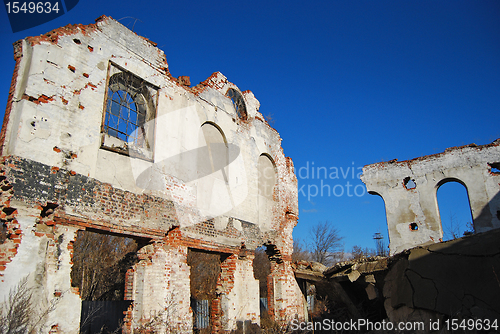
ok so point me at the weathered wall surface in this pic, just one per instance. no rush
(449, 281)
(201, 168)
(457, 278)
(409, 189)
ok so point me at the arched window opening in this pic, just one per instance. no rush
(238, 103)
(213, 193)
(267, 177)
(215, 158)
(125, 114)
(375, 208)
(454, 209)
(266, 190)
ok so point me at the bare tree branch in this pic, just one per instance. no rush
(325, 241)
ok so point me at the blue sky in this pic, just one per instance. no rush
(347, 83)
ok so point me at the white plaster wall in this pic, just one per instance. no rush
(56, 120)
(466, 164)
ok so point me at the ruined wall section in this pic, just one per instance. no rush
(57, 114)
(238, 293)
(284, 295)
(58, 162)
(79, 200)
(161, 292)
(61, 84)
(40, 266)
(409, 189)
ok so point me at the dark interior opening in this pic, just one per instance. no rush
(205, 270)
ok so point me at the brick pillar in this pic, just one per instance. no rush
(286, 301)
(238, 295)
(161, 291)
(270, 293)
(128, 295)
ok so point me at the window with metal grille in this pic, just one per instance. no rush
(125, 111)
(130, 105)
(238, 102)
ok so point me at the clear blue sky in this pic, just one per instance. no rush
(348, 83)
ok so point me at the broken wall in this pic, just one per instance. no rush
(409, 190)
(451, 281)
(457, 279)
(98, 135)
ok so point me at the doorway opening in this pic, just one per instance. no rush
(100, 262)
(205, 270)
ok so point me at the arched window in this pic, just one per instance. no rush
(238, 103)
(215, 159)
(213, 194)
(267, 196)
(130, 104)
(454, 209)
(125, 111)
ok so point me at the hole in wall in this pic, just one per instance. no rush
(48, 209)
(77, 41)
(413, 227)
(409, 183)
(238, 103)
(8, 210)
(494, 168)
(273, 253)
(100, 262)
(261, 269)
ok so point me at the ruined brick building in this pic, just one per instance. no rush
(99, 136)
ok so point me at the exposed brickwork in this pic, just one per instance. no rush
(63, 181)
(161, 302)
(225, 284)
(95, 204)
(11, 233)
(285, 293)
(70, 29)
(17, 57)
